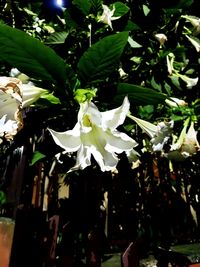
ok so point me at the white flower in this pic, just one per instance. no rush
(175, 102)
(170, 63)
(195, 42)
(195, 21)
(14, 95)
(164, 130)
(186, 145)
(31, 94)
(107, 15)
(162, 38)
(189, 81)
(95, 134)
(159, 133)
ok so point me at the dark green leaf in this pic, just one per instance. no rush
(36, 157)
(184, 3)
(120, 9)
(131, 26)
(31, 56)
(102, 58)
(139, 95)
(84, 6)
(57, 38)
(2, 198)
(96, 5)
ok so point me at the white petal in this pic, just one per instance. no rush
(83, 159)
(106, 161)
(30, 94)
(8, 105)
(91, 110)
(69, 140)
(2, 120)
(119, 142)
(192, 135)
(147, 127)
(95, 141)
(113, 118)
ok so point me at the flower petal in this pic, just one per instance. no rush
(69, 140)
(30, 94)
(119, 142)
(147, 127)
(83, 159)
(106, 160)
(113, 118)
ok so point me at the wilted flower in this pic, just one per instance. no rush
(159, 133)
(107, 15)
(186, 145)
(95, 134)
(14, 95)
(7, 128)
(162, 38)
(175, 102)
(10, 103)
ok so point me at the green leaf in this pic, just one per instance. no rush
(102, 58)
(82, 95)
(120, 9)
(51, 98)
(2, 198)
(36, 157)
(84, 6)
(156, 85)
(184, 3)
(31, 56)
(57, 38)
(175, 81)
(131, 26)
(96, 5)
(146, 10)
(139, 95)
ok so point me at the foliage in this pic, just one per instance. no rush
(146, 50)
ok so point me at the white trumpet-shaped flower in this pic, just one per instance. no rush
(31, 94)
(186, 145)
(95, 134)
(190, 82)
(175, 102)
(159, 133)
(107, 15)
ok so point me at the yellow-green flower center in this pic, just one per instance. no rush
(87, 121)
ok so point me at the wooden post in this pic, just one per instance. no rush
(6, 238)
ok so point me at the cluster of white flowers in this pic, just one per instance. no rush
(95, 134)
